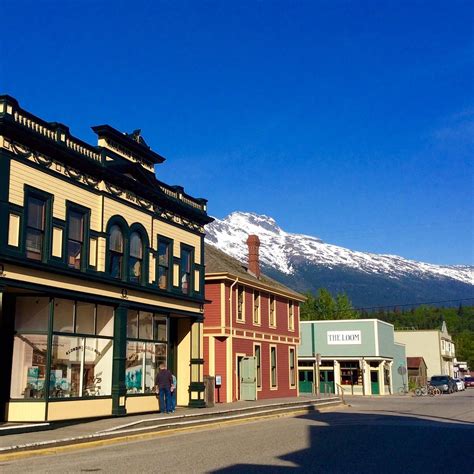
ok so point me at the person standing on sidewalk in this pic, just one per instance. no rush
(173, 393)
(163, 382)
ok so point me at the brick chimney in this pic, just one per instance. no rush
(253, 243)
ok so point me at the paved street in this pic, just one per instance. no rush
(393, 434)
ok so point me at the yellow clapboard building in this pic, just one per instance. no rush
(101, 274)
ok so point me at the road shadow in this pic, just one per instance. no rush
(348, 442)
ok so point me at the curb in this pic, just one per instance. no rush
(99, 439)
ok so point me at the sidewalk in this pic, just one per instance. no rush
(66, 433)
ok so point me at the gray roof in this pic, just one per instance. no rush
(218, 261)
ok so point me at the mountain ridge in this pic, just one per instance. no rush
(306, 263)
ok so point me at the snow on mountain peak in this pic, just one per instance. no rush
(283, 251)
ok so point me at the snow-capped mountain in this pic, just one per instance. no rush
(305, 262)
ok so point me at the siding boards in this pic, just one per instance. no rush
(213, 310)
(22, 174)
(179, 236)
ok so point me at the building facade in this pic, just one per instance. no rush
(435, 346)
(251, 329)
(357, 356)
(417, 371)
(101, 273)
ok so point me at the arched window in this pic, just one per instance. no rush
(135, 263)
(116, 252)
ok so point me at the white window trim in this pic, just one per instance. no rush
(259, 344)
(270, 325)
(291, 327)
(259, 313)
(276, 365)
(240, 321)
(295, 367)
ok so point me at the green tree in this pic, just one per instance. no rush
(324, 306)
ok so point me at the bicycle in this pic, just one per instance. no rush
(421, 391)
(433, 391)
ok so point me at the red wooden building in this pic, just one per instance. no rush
(251, 321)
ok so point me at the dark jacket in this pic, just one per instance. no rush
(164, 379)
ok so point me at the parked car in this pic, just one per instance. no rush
(444, 382)
(460, 385)
(469, 381)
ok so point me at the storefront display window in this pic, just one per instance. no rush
(160, 328)
(80, 367)
(63, 315)
(81, 350)
(85, 318)
(31, 314)
(105, 320)
(144, 355)
(132, 324)
(351, 373)
(145, 322)
(29, 366)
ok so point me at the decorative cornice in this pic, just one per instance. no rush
(94, 183)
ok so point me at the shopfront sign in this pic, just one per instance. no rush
(344, 337)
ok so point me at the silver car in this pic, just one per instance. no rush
(460, 385)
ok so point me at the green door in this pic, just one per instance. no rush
(374, 382)
(326, 379)
(248, 378)
(305, 378)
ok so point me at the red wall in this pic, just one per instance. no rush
(244, 344)
(212, 311)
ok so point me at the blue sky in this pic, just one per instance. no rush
(351, 121)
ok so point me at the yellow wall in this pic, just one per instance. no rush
(424, 344)
(183, 358)
(179, 236)
(25, 411)
(92, 288)
(130, 214)
(69, 410)
(142, 404)
(21, 174)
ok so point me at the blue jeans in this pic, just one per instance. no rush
(165, 400)
(173, 400)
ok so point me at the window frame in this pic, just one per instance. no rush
(47, 198)
(141, 231)
(137, 280)
(86, 213)
(291, 315)
(169, 243)
(186, 248)
(153, 342)
(258, 363)
(123, 267)
(257, 308)
(292, 371)
(127, 231)
(272, 320)
(49, 333)
(273, 386)
(240, 304)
